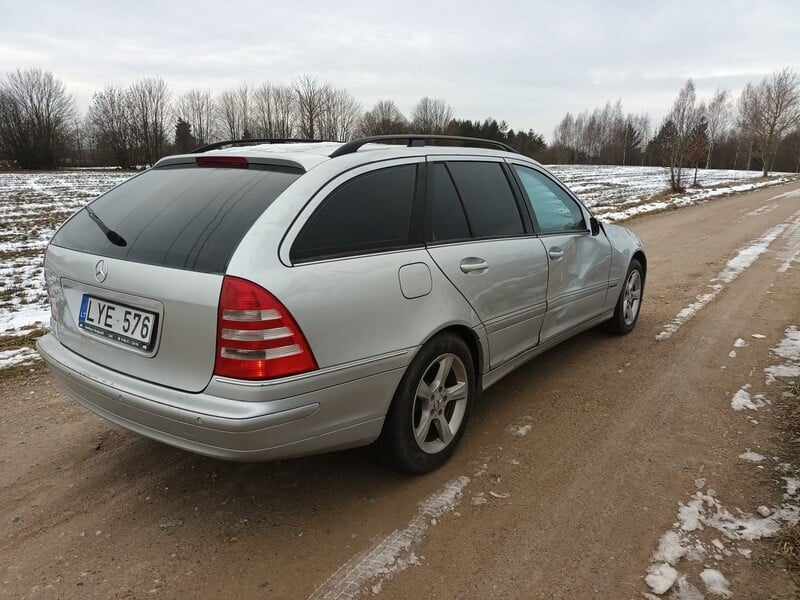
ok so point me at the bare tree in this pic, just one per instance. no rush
(35, 115)
(233, 109)
(384, 119)
(312, 98)
(82, 146)
(591, 139)
(274, 111)
(565, 140)
(340, 122)
(196, 107)
(613, 135)
(697, 148)
(605, 135)
(431, 115)
(645, 129)
(772, 111)
(150, 105)
(676, 139)
(717, 114)
(746, 117)
(111, 118)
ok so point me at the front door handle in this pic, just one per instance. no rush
(555, 253)
(473, 264)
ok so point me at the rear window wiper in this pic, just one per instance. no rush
(112, 235)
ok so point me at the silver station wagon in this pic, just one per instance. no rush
(269, 300)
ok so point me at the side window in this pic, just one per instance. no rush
(555, 211)
(446, 219)
(369, 213)
(487, 197)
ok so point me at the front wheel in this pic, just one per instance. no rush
(431, 406)
(630, 301)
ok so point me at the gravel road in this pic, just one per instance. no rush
(571, 471)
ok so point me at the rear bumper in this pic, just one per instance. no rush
(323, 416)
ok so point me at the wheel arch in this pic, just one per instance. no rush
(639, 255)
(392, 441)
(473, 342)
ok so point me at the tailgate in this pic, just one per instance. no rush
(151, 322)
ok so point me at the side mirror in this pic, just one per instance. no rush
(595, 225)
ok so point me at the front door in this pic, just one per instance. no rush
(579, 262)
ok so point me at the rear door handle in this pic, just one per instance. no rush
(555, 253)
(473, 264)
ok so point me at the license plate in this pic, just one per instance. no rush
(118, 322)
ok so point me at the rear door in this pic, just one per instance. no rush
(479, 236)
(579, 262)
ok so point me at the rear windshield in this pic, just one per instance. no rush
(183, 216)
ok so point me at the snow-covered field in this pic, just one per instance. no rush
(618, 193)
(32, 205)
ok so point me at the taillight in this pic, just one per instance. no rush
(48, 288)
(257, 338)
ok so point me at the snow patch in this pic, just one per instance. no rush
(684, 590)
(789, 350)
(742, 400)
(761, 210)
(791, 253)
(716, 583)
(703, 510)
(519, 430)
(670, 548)
(702, 515)
(660, 578)
(393, 553)
(751, 456)
(734, 267)
(478, 499)
(18, 356)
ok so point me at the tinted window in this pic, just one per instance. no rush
(184, 217)
(369, 213)
(555, 211)
(487, 197)
(446, 215)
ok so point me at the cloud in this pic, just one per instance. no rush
(528, 63)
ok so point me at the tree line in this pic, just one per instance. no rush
(759, 130)
(41, 127)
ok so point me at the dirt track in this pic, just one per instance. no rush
(620, 430)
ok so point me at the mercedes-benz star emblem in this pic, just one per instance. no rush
(100, 271)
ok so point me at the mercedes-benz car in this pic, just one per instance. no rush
(261, 300)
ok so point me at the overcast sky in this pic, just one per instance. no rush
(527, 62)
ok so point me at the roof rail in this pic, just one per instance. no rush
(249, 142)
(418, 139)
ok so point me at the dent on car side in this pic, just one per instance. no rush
(366, 318)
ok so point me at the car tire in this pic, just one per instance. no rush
(629, 303)
(431, 406)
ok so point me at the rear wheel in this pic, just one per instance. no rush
(431, 406)
(630, 301)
